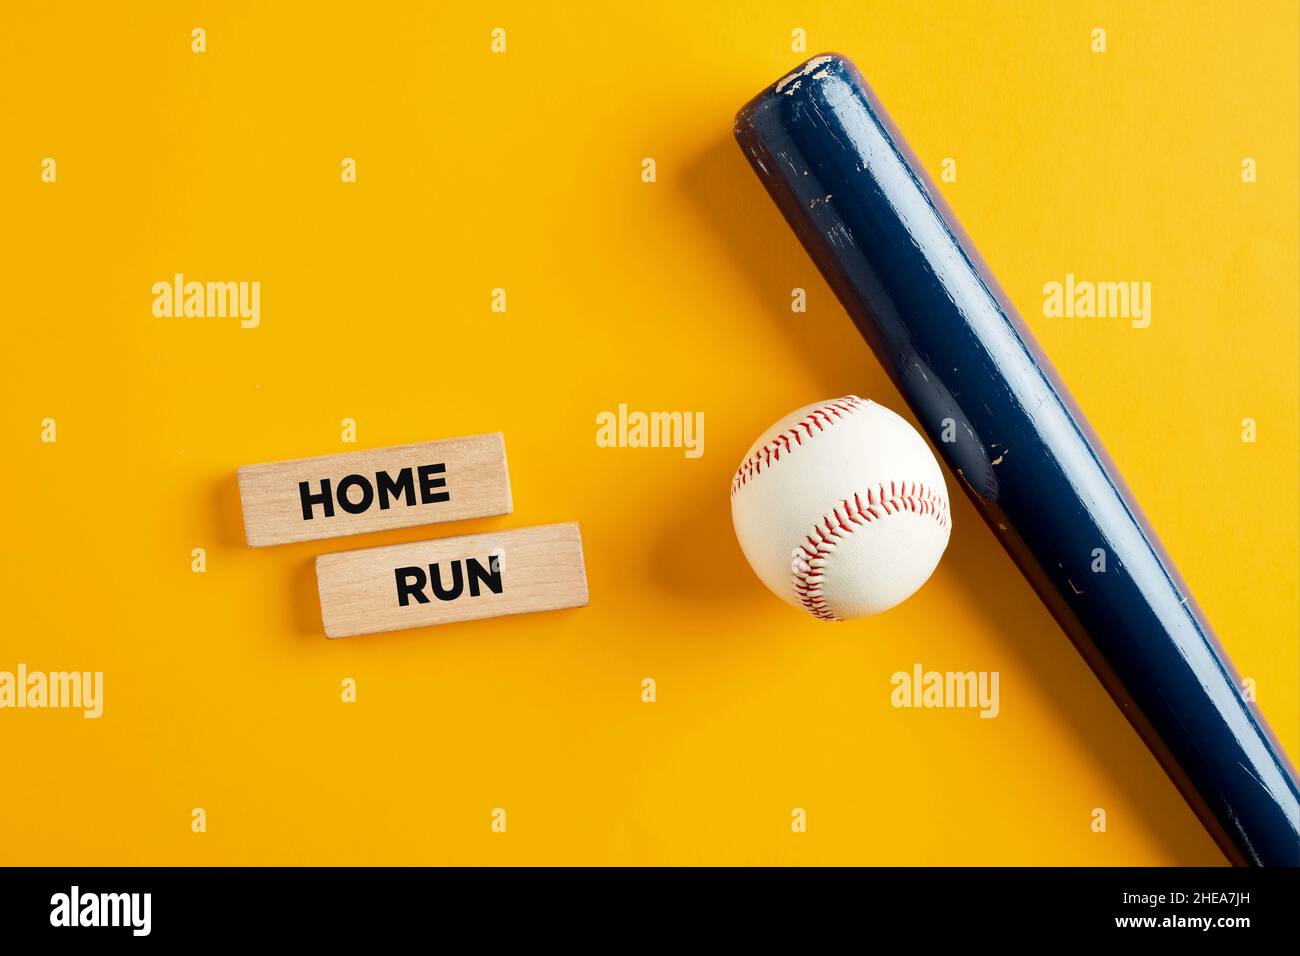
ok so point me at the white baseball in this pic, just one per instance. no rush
(841, 509)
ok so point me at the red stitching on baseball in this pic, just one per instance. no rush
(770, 452)
(808, 569)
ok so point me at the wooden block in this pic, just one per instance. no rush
(374, 490)
(451, 579)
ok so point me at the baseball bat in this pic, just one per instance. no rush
(953, 344)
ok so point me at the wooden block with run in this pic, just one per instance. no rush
(374, 490)
(451, 579)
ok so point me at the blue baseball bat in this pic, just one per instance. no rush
(950, 339)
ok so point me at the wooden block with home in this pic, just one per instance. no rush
(354, 492)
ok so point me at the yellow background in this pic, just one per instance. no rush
(522, 171)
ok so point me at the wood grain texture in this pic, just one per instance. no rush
(400, 486)
(451, 579)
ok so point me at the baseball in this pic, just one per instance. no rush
(841, 509)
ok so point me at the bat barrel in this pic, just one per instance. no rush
(997, 412)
